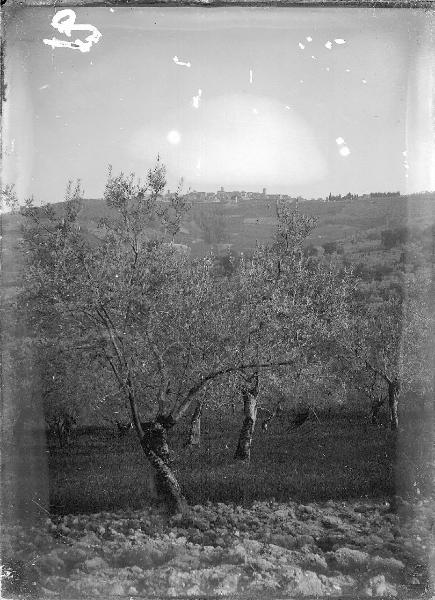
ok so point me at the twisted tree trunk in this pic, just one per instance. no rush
(60, 433)
(195, 426)
(393, 402)
(249, 395)
(155, 446)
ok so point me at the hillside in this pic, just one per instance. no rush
(381, 236)
(248, 221)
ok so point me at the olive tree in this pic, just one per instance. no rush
(292, 308)
(389, 345)
(154, 324)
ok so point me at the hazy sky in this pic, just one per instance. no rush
(265, 102)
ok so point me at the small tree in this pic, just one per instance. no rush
(293, 307)
(102, 297)
(391, 341)
(67, 387)
(214, 225)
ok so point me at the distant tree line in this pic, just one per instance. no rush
(339, 197)
(384, 194)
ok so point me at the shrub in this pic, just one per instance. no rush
(330, 247)
(394, 237)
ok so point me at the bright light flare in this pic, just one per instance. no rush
(174, 137)
(237, 144)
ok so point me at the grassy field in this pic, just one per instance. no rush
(337, 458)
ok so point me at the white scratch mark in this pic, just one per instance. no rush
(44, 87)
(339, 41)
(64, 22)
(287, 107)
(180, 63)
(339, 141)
(405, 153)
(251, 76)
(301, 46)
(314, 57)
(327, 69)
(328, 45)
(347, 70)
(198, 164)
(309, 38)
(255, 111)
(344, 151)
(364, 80)
(37, 504)
(196, 99)
(112, 9)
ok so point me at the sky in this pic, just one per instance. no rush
(301, 101)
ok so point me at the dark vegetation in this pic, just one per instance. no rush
(341, 456)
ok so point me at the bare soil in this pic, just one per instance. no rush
(267, 550)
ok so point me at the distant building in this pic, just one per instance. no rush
(222, 194)
(384, 194)
(236, 197)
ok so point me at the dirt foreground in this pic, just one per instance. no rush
(270, 549)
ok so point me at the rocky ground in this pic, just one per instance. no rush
(335, 548)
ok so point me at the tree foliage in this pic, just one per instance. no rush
(160, 326)
(388, 346)
(152, 329)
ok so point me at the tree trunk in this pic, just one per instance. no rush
(59, 433)
(393, 402)
(155, 446)
(243, 451)
(195, 426)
